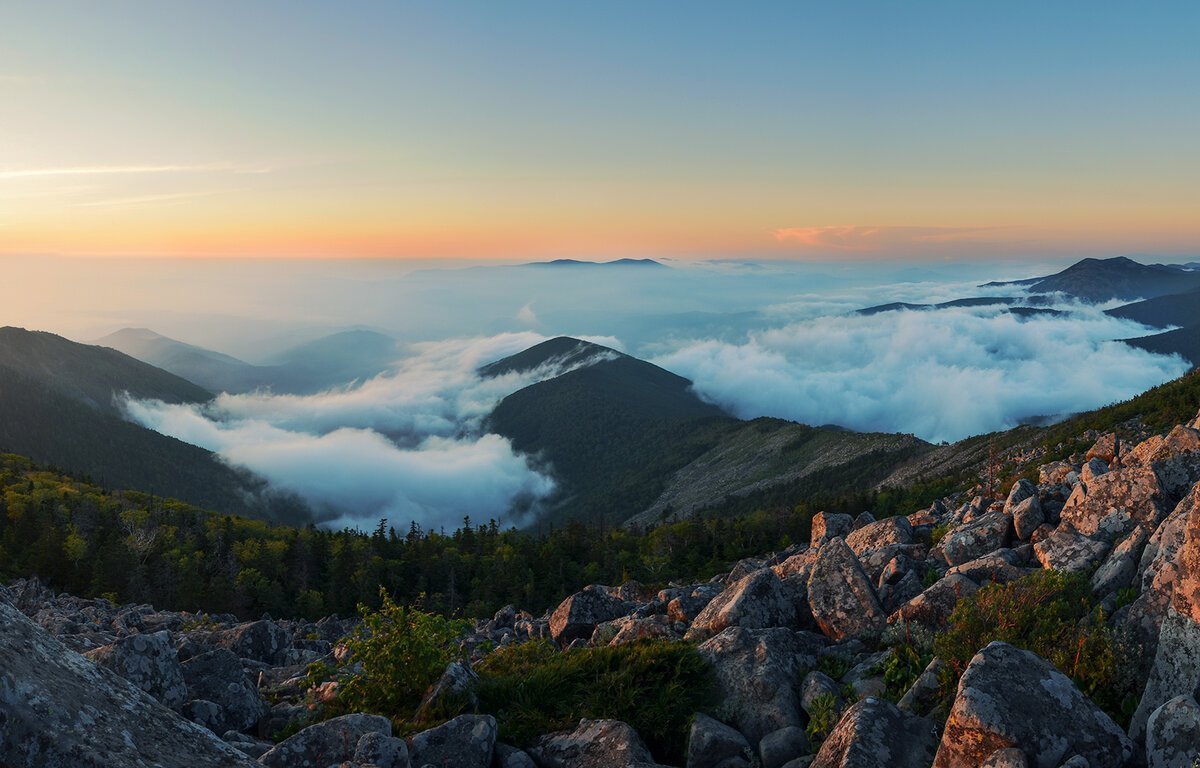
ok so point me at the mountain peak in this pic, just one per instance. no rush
(561, 350)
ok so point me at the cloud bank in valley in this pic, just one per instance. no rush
(405, 445)
(942, 375)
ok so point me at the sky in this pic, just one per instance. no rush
(498, 131)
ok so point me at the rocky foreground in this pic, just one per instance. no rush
(86, 683)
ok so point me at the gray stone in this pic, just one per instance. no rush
(453, 692)
(932, 608)
(507, 756)
(782, 746)
(593, 744)
(59, 710)
(379, 749)
(577, 616)
(816, 684)
(326, 743)
(1021, 490)
(467, 741)
(149, 662)
(1111, 505)
(1173, 734)
(827, 526)
(922, 695)
(1068, 550)
(757, 671)
(1174, 672)
(712, 744)
(217, 676)
(262, 640)
(986, 533)
(1008, 697)
(1118, 569)
(1027, 516)
(756, 601)
(1009, 757)
(840, 596)
(875, 734)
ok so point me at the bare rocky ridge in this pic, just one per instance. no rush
(788, 635)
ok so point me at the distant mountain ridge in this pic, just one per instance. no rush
(58, 406)
(568, 263)
(1120, 277)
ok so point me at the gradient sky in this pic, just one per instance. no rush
(938, 130)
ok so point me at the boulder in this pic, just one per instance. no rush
(986, 533)
(875, 734)
(1027, 516)
(593, 744)
(1009, 757)
(817, 684)
(380, 750)
(1158, 571)
(1173, 734)
(688, 606)
(59, 709)
(147, 661)
(1021, 490)
(922, 694)
(1115, 503)
(932, 608)
(217, 676)
(1118, 569)
(756, 601)
(1105, 448)
(467, 741)
(1068, 550)
(577, 616)
(1011, 698)
(327, 743)
(1174, 458)
(262, 640)
(884, 533)
(712, 744)
(827, 526)
(1174, 672)
(453, 692)
(510, 757)
(782, 746)
(999, 566)
(756, 672)
(840, 596)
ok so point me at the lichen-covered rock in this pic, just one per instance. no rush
(878, 535)
(1118, 569)
(827, 526)
(1158, 570)
(149, 662)
(1174, 672)
(467, 741)
(577, 616)
(262, 640)
(1009, 757)
(875, 734)
(1105, 448)
(756, 672)
(59, 710)
(217, 676)
(510, 757)
(986, 533)
(1027, 515)
(999, 566)
(1174, 458)
(922, 694)
(453, 692)
(932, 608)
(327, 743)
(593, 744)
(1008, 697)
(756, 601)
(840, 596)
(1114, 503)
(1173, 734)
(712, 744)
(817, 684)
(1021, 490)
(688, 606)
(1068, 550)
(779, 747)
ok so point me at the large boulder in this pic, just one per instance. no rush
(1068, 550)
(327, 743)
(576, 617)
(1027, 515)
(1113, 504)
(217, 676)
(1174, 458)
(932, 608)
(827, 526)
(756, 601)
(147, 661)
(262, 640)
(840, 596)
(1173, 734)
(58, 709)
(712, 744)
(875, 734)
(783, 746)
(1008, 697)
(983, 534)
(757, 671)
(593, 744)
(1158, 570)
(467, 741)
(890, 531)
(1021, 490)
(1118, 569)
(1174, 672)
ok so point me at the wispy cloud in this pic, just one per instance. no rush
(861, 238)
(115, 170)
(131, 202)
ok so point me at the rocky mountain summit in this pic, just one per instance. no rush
(804, 647)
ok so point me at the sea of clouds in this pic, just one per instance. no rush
(410, 444)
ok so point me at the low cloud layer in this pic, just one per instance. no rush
(942, 375)
(406, 445)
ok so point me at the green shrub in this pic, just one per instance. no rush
(823, 716)
(395, 654)
(902, 668)
(834, 665)
(1054, 615)
(653, 685)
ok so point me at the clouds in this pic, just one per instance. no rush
(941, 375)
(406, 445)
(130, 170)
(876, 239)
